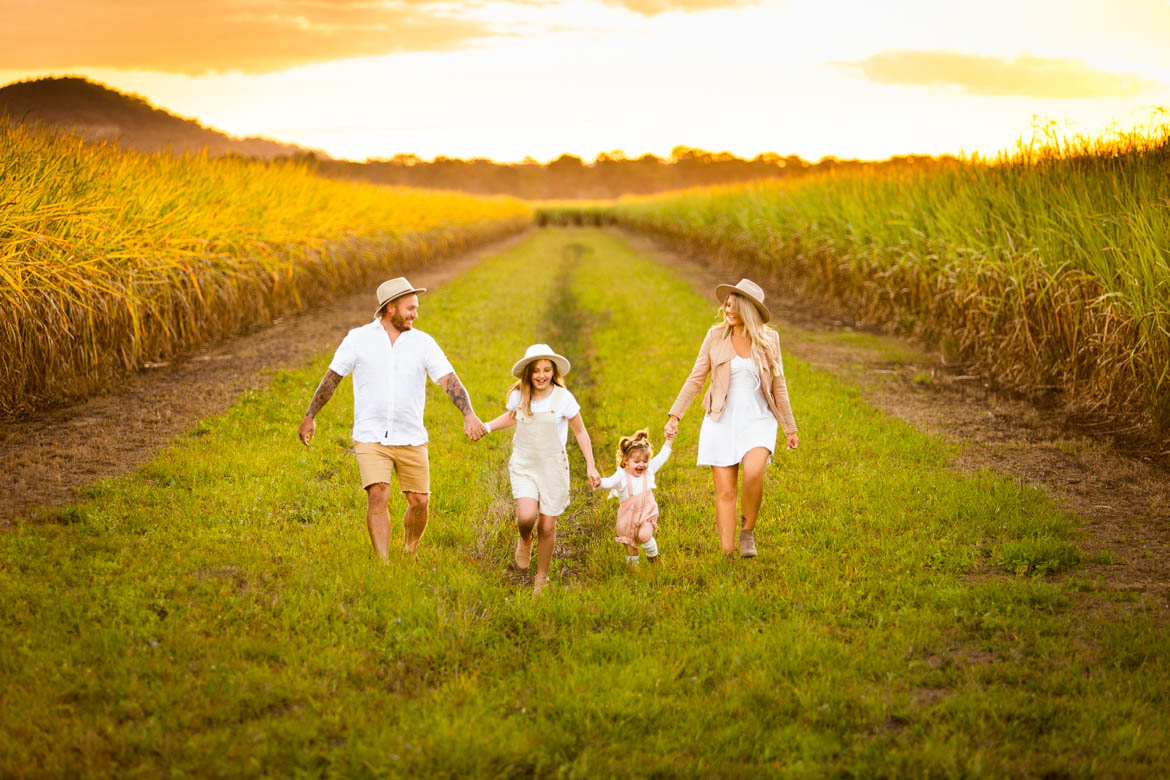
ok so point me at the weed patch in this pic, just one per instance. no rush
(220, 612)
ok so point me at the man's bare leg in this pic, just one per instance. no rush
(378, 519)
(415, 519)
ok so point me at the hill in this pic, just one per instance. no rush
(99, 113)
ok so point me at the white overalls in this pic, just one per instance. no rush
(539, 466)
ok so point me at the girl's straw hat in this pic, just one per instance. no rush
(748, 289)
(540, 352)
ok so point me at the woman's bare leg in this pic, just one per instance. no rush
(726, 490)
(755, 465)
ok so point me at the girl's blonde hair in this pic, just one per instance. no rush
(524, 385)
(630, 444)
(764, 340)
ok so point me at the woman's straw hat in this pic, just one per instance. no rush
(540, 352)
(391, 289)
(748, 289)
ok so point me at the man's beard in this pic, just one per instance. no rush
(400, 323)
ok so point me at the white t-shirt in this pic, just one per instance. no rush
(569, 408)
(389, 382)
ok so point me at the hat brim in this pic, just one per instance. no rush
(413, 291)
(723, 290)
(561, 362)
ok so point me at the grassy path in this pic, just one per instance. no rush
(219, 611)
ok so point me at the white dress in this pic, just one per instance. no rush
(746, 422)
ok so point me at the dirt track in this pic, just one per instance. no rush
(1123, 499)
(48, 457)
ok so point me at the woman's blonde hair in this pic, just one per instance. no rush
(524, 385)
(764, 340)
(630, 444)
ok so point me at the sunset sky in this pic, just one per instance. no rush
(513, 78)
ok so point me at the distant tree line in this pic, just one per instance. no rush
(568, 177)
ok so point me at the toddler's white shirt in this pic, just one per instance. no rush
(618, 485)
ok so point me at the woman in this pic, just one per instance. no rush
(746, 400)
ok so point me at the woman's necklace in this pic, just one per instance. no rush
(741, 343)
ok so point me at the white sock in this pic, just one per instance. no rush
(651, 548)
(631, 559)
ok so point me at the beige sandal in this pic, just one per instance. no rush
(523, 554)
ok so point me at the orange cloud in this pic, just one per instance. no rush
(194, 37)
(1024, 76)
(655, 7)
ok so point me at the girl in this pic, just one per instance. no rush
(747, 401)
(543, 411)
(633, 485)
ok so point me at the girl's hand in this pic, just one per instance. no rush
(793, 441)
(671, 428)
(594, 477)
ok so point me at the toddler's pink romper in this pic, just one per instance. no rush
(635, 511)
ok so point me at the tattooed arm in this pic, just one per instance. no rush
(473, 428)
(320, 398)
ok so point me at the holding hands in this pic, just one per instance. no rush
(473, 427)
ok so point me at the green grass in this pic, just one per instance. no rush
(220, 611)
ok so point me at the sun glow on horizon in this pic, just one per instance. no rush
(815, 79)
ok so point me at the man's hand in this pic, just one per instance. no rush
(307, 430)
(473, 427)
(324, 392)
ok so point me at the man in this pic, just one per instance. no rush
(390, 360)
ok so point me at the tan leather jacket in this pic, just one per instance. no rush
(715, 359)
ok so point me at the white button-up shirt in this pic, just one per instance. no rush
(389, 382)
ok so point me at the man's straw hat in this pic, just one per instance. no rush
(748, 289)
(395, 288)
(540, 352)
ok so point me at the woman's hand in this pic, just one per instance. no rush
(793, 441)
(594, 477)
(671, 428)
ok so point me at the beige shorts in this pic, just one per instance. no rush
(376, 462)
(549, 486)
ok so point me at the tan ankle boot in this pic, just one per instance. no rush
(540, 583)
(747, 544)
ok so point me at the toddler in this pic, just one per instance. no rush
(633, 485)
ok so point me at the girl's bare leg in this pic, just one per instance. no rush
(726, 478)
(546, 539)
(526, 514)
